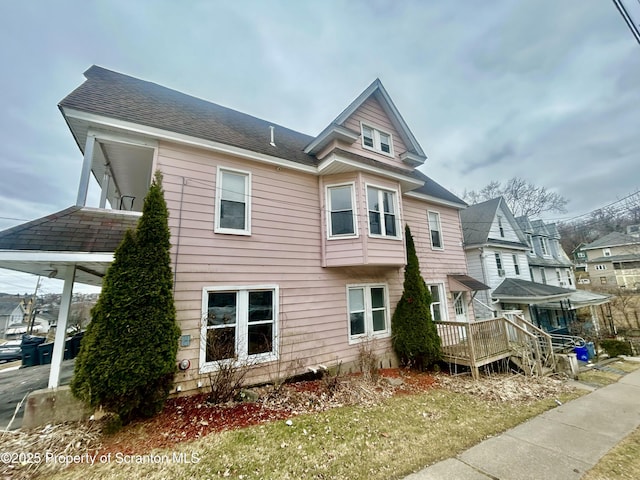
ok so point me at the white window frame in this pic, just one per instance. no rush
(377, 143)
(431, 229)
(530, 242)
(396, 207)
(442, 303)
(242, 326)
(354, 211)
(368, 315)
(601, 267)
(516, 264)
(606, 252)
(247, 195)
(544, 247)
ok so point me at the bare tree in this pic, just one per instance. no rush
(522, 196)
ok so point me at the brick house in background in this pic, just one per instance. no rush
(287, 249)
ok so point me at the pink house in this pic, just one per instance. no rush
(288, 249)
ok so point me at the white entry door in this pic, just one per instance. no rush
(460, 307)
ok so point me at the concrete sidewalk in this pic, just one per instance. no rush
(561, 444)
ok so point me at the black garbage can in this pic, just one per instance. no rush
(45, 352)
(75, 344)
(29, 346)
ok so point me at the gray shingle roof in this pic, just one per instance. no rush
(612, 239)
(477, 221)
(126, 98)
(129, 99)
(74, 229)
(515, 287)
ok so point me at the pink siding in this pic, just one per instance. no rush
(437, 264)
(372, 114)
(284, 249)
(287, 247)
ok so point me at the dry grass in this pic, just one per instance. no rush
(381, 440)
(603, 378)
(621, 463)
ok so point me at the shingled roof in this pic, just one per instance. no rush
(532, 292)
(126, 98)
(75, 229)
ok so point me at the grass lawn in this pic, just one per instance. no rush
(389, 440)
(621, 463)
(602, 378)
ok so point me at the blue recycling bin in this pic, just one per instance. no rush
(582, 353)
(591, 350)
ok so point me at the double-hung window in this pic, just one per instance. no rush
(383, 219)
(544, 246)
(435, 230)
(374, 139)
(233, 202)
(341, 211)
(368, 310)
(239, 324)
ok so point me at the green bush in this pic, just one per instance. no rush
(127, 359)
(414, 334)
(616, 347)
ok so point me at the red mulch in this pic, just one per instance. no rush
(191, 417)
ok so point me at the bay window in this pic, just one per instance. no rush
(382, 208)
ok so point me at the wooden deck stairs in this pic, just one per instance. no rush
(479, 343)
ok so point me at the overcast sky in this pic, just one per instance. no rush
(543, 89)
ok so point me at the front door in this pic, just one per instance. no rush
(460, 307)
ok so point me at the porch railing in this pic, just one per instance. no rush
(479, 343)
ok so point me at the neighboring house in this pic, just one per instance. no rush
(524, 265)
(548, 262)
(12, 311)
(614, 261)
(288, 250)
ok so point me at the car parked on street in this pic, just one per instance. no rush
(10, 351)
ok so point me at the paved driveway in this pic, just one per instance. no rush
(15, 384)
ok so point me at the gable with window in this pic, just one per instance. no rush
(239, 324)
(435, 230)
(368, 307)
(341, 211)
(377, 140)
(233, 202)
(382, 208)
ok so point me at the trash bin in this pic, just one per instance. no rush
(75, 344)
(582, 353)
(591, 350)
(29, 346)
(45, 351)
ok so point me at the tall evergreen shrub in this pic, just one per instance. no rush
(414, 335)
(127, 359)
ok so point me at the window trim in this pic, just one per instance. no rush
(396, 206)
(242, 326)
(354, 211)
(377, 144)
(444, 311)
(368, 318)
(516, 264)
(247, 212)
(439, 229)
(544, 247)
(500, 226)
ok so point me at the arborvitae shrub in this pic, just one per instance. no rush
(414, 335)
(127, 359)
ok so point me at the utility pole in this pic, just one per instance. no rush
(32, 309)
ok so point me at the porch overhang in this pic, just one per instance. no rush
(465, 283)
(580, 299)
(513, 290)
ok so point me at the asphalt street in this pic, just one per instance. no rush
(16, 383)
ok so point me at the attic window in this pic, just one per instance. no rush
(377, 140)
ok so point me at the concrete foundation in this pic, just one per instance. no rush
(53, 405)
(568, 363)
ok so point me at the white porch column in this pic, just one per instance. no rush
(105, 188)
(61, 329)
(85, 175)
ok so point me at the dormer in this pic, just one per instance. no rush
(370, 127)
